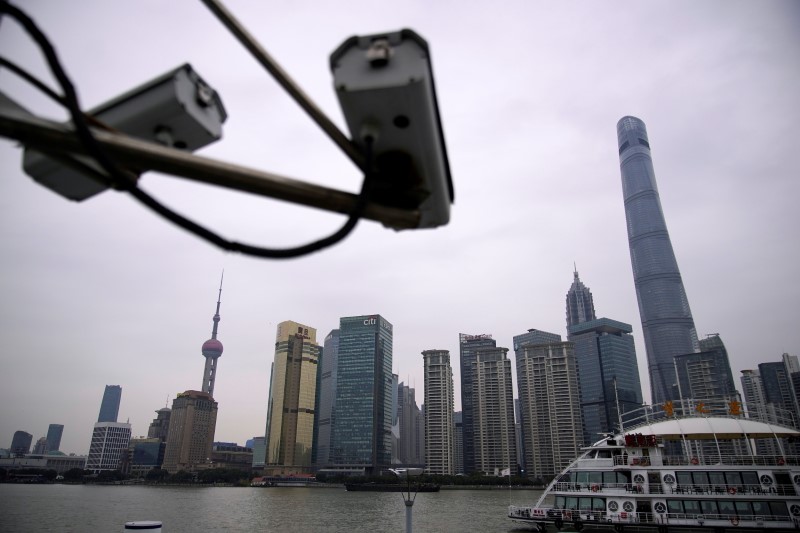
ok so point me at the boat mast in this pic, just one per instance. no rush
(616, 399)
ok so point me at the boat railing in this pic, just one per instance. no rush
(713, 489)
(725, 407)
(573, 515)
(740, 460)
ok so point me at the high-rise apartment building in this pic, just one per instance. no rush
(667, 322)
(361, 435)
(580, 305)
(290, 420)
(547, 378)
(326, 397)
(468, 347)
(608, 374)
(439, 425)
(191, 431)
(212, 351)
(458, 443)
(779, 395)
(706, 375)
(411, 440)
(109, 407)
(109, 446)
(54, 433)
(494, 436)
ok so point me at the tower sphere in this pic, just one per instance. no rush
(212, 348)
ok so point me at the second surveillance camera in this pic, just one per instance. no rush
(385, 87)
(177, 109)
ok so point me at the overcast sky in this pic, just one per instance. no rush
(104, 292)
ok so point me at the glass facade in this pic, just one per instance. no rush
(667, 322)
(706, 375)
(468, 346)
(109, 408)
(54, 432)
(580, 305)
(361, 434)
(607, 373)
(326, 396)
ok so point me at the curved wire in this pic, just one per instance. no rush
(120, 180)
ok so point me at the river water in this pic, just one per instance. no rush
(95, 508)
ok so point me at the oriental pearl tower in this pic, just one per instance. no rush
(212, 350)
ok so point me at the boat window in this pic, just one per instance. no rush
(760, 508)
(684, 478)
(691, 506)
(744, 509)
(778, 508)
(735, 478)
(708, 507)
(583, 477)
(559, 502)
(571, 503)
(585, 504)
(623, 477)
(568, 477)
(716, 478)
(598, 504)
(726, 508)
(675, 506)
(700, 478)
(595, 477)
(748, 478)
(604, 454)
(610, 477)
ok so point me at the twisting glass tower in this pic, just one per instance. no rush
(212, 350)
(667, 321)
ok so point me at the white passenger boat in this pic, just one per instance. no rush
(681, 467)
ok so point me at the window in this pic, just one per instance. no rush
(744, 509)
(623, 147)
(675, 506)
(643, 142)
(691, 507)
(726, 508)
(709, 507)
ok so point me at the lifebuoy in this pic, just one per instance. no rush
(595, 488)
(695, 461)
(731, 490)
(735, 520)
(639, 489)
(781, 461)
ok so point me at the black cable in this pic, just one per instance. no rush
(33, 80)
(122, 181)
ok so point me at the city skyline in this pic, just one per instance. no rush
(104, 292)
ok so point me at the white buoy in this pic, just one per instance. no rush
(149, 525)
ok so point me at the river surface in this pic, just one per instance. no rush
(94, 508)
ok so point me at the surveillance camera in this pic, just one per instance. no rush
(385, 87)
(177, 109)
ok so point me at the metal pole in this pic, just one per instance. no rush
(48, 136)
(261, 55)
(409, 506)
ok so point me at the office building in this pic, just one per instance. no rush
(212, 350)
(361, 438)
(756, 407)
(779, 394)
(518, 437)
(706, 375)
(468, 346)
(40, 448)
(608, 375)
(143, 455)
(439, 425)
(290, 421)
(458, 443)
(259, 447)
(547, 378)
(410, 449)
(54, 433)
(494, 435)
(192, 423)
(159, 427)
(108, 446)
(109, 407)
(667, 322)
(326, 394)
(21, 443)
(580, 305)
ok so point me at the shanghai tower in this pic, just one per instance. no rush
(667, 322)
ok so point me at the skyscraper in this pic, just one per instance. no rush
(212, 350)
(54, 432)
(362, 417)
(494, 434)
(667, 322)
(580, 305)
(326, 394)
(108, 446)
(608, 374)
(159, 427)
(706, 375)
(109, 407)
(551, 411)
(411, 442)
(294, 385)
(439, 425)
(21, 443)
(192, 422)
(468, 346)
